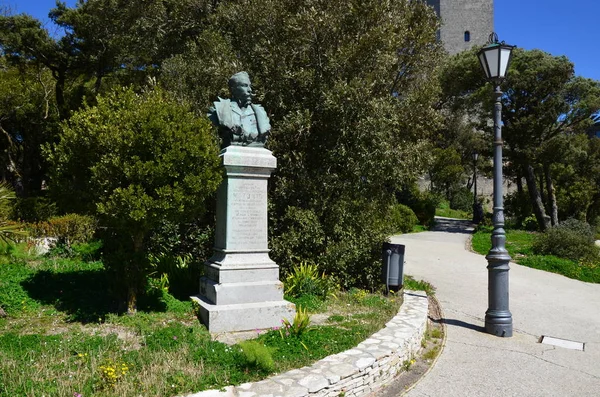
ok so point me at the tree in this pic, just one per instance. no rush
(446, 172)
(350, 87)
(543, 100)
(28, 120)
(104, 44)
(134, 161)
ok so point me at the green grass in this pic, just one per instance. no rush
(518, 242)
(354, 316)
(64, 336)
(418, 285)
(419, 228)
(519, 245)
(445, 211)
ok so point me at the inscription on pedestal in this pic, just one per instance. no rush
(248, 215)
(242, 161)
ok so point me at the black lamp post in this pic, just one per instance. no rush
(495, 59)
(476, 211)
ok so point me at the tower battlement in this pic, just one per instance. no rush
(465, 23)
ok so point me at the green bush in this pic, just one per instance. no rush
(178, 274)
(68, 229)
(518, 207)
(423, 203)
(595, 223)
(296, 236)
(530, 223)
(257, 355)
(571, 239)
(135, 161)
(345, 239)
(461, 199)
(193, 237)
(402, 218)
(34, 209)
(87, 251)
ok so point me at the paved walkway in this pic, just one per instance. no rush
(474, 363)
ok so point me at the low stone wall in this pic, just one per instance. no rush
(355, 372)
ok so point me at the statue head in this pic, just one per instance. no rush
(241, 89)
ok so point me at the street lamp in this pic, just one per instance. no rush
(476, 212)
(495, 59)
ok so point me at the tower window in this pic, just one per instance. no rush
(467, 35)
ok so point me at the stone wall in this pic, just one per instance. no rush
(485, 188)
(356, 372)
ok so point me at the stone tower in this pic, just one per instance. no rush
(465, 23)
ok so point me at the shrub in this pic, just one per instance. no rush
(571, 239)
(257, 355)
(135, 161)
(193, 237)
(346, 240)
(518, 206)
(402, 218)
(423, 203)
(68, 229)
(34, 209)
(461, 199)
(87, 251)
(530, 223)
(178, 274)
(595, 223)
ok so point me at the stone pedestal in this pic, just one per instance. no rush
(241, 289)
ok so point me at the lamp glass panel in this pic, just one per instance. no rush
(483, 64)
(504, 57)
(492, 61)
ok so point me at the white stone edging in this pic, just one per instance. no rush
(352, 373)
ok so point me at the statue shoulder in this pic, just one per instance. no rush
(220, 112)
(221, 103)
(259, 109)
(262, 118)
(260, 112)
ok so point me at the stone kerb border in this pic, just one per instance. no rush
(355, 372)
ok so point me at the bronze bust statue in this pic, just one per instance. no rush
(240, 121)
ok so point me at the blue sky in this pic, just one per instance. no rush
(560, 27)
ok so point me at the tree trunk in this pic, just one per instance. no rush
(132, 300)
(544, 201)
(551, 196)
(519, 184)
(132, 290)
(60, 77)
(536, 199)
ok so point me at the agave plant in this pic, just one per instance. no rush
(305, 279)
(300, 325)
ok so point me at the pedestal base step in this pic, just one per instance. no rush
(237, 293)
(245, 316)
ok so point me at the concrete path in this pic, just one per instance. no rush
(474, 363)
